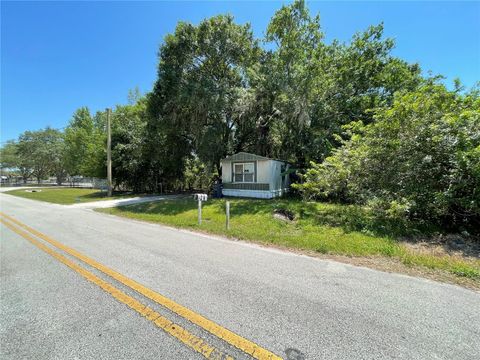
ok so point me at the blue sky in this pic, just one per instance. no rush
(59, 56)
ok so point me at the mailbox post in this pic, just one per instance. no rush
(199, 211)
(227, 213)
(200, 198)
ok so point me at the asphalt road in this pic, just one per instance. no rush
(290, 305)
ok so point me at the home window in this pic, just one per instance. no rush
(244, 172)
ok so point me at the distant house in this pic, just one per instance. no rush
(250, 175)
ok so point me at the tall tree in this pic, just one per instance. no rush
(295, 71)
(357, 78)
(128, 138)
(310, 88)
(85, 141)
(42, 152)
(202, 72)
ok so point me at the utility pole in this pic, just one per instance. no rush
(109, 154)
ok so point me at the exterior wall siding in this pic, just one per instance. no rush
(263, 172)
(249, 193)
(259, 194)
(246, 186)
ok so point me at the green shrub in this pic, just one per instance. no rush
(419, 160)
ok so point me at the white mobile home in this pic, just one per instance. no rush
(250, 175)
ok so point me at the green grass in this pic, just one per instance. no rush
(65, 196)
(324, 228)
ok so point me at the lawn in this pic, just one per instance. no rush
(324, 228)
(65, 196)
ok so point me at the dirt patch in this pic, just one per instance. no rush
(466, 247)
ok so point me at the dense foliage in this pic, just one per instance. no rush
(420, 159)
(85, 144)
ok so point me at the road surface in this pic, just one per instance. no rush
(77, 284)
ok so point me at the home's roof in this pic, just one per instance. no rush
(243, 156)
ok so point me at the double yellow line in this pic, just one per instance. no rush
(177, 331)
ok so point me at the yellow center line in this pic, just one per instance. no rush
(163, 323)
(228, 336)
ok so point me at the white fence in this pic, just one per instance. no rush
(80, 182)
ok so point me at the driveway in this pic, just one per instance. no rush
(122, 202)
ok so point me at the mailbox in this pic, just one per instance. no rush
(201, 197)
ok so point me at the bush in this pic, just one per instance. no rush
(419, 160)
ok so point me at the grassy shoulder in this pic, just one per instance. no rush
(64, 196)
(319, 227)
